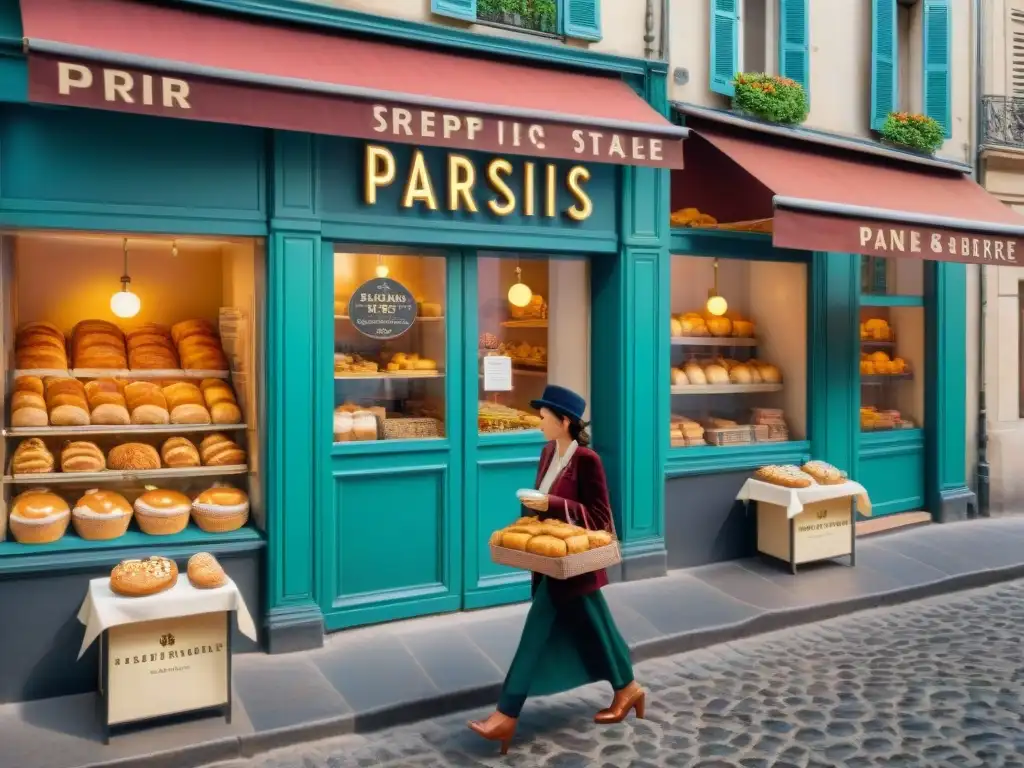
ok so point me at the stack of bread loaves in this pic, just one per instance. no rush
(221, 401)
(218, 450)
(150, 347)
(107, 404)
(725, 371)
(28, 406)
(186, 403)
(40, 346)
(146, 403)
(67, 402)
(198, 346)
(98, 344)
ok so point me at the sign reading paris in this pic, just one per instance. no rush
(382, 308)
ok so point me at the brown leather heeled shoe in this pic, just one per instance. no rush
(629, 698)
(497, 727)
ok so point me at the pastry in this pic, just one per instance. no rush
(716, 374)
(695, 374)
(740, 374)
(824, 473)
(82, 456)
(133, 456)
(162, 512)
(496, 538)
(576, 544)
(221, 509)
(549, 546)
(226, 413)
(217, 450)
(101, 515)
(179, 452)
(788, 476)
(31, 457)
(190, 414)
(204, 572)
(599, 539)
(515, 540)
(38, 517)
(139, 578)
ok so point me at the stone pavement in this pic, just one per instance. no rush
(936, 683)
(382, 676)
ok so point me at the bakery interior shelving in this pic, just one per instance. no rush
(144, 399)
(891, 354)
(737, 352)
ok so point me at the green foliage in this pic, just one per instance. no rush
(529, 14)
(918, 132)
(771, 98)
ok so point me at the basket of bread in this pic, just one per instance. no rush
(554, 548)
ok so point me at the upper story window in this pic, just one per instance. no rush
(910, 53)
(579, 19)
(759, 36)
(1015, 48)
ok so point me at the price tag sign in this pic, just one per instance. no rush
(497, 373)
(382, 308)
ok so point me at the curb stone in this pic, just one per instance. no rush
(250, 745)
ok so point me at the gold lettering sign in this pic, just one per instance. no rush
(121, 86)
(465, 188)
(904, 241)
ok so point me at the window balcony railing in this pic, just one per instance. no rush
(1002, 121)
(538, 16)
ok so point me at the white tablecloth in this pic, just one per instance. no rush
(794, 499)
(104, 608)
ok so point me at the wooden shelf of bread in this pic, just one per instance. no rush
(729, 330)
(398, 365)
(116, 429)
(721, 375)
(493, 417)
(874, 420)
(684, 432)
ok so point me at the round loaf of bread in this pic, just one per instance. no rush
(101, 515)
(179, 452)
(82, 456)
(32, 457)
(190, 414)
(221, 453)
(150, 414)
(219, 393)
(204, 572)
(162, 512)
(30, 417)
(38, 517)
(183, 393)
(29, 384)
(226, 413)
(109, 413)
(69, 416)
(221, 509)
(133, 456)
(139, 578)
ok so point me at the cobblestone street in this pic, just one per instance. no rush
(934, 683)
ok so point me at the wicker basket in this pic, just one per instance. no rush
(559, 567)
(412, 428)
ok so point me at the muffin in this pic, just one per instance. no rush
(160, 512)
(221, 509)
(38, 517)
(101, 515)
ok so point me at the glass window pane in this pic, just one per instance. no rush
(389, 346)
(738, 376)
(534, 322)
(891, 367)
(880, 276)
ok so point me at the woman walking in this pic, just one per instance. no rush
(570, 638)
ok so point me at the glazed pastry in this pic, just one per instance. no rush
(32, 457)
(133, 456)
(179, 452)
(221, 509)
(38, 517)
(82, 456)
(204, 572)
(140, 578)
(549, 546)
(162, 512)
(101, 515)
(788, 476)
(824, 473)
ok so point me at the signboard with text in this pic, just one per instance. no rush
(382, 308)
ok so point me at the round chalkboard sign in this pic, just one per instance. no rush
(382, 308)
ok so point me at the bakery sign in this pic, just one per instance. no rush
(382, 308)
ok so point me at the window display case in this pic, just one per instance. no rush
(891, 368)
(131, 390)
(738, 359)
(389, 346)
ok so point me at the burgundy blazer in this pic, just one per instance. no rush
(579, 496)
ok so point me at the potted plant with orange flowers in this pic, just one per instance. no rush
(906, 130)
(769, 97)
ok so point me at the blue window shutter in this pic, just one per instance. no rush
(580, 19)
(937, 30)
(725, 44)
(454, 9)
(884, 61)
(794, 41)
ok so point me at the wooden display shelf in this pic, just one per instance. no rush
(192, 537)
(878, 379)
(382, 375)
(122, 373)
(724, 389)
(713, 341)
(118, 429)
(533, 323)
(113, 475)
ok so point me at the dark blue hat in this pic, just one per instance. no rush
(562, 401)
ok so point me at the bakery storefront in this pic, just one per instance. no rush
(818, 310)
(228, 276)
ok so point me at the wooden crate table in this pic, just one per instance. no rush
(165, 654)
(806, 525)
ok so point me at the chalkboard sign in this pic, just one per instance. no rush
(382, 308)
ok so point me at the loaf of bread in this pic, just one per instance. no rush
(221, 509)
(161, 512)
(38, 517)
(139, 578)
(146, 403)
(106, 402)
(787, 475)
(133, 456)
(549, 546)
(150, 347)
(824, 473)
(199, 347)
(695, 374)
(82, 456)
(515, 540)
(549, 538)
(28, 405)
(179, 452)
(204, 572)
(98, 344)
(221, 402)
(32, 457)
(40, 346)
(101, 515)
(218, 450)
(67, 403)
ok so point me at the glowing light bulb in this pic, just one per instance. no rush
(124, 303)
(382, 270)
(717, 305)
(519, 295)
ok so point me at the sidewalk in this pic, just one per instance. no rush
(381, 676)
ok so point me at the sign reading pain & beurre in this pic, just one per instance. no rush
(382, 308)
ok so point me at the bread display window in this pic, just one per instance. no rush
(389, 346)
(891, 367)
(881, 276)
(738, 351)
(534, 329)
(130, 389)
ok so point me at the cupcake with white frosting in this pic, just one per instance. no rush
(160, 512)
(101, 515)
(38, 517)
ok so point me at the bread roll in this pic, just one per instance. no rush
(679, 378)
(38, 517)
(32, 457)
(27, 400)
(599, 539)
(186, 328)
(161, 512)
(549, 546)
(221, 393)
(144, 393)
(495, 540)
(226, 413)
(29, 384)
(61, 385)
(221, 509)
(716, 374)
(77, 400)
(150, 414)
(101, 515)
(190, 414)
(695, 374)
(133, 456)
(576, 544)
(140, 578)
(30, 417)
(204, 572)
(740, 374)
(82, 456)
(183, 393)
(69, 416)
(179, 452)
(514, 540)
(223, 454)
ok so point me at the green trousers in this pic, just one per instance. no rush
(563, 647)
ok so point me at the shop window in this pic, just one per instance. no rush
(739, 351)
(389, 346)
(881, 276)
(891, 367)
(534, 323)
(133, 391)
(580, 19)
(1015, 49)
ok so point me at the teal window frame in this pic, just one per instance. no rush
(576, 19)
